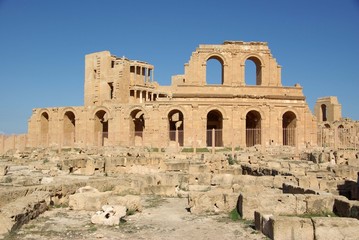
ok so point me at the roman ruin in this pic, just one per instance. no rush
(140, 160)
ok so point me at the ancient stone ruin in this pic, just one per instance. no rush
(255, 150)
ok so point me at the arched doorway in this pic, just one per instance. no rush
(137, 126)
(44, 129)
(253, 128)
(175, 127)
(253, 71)
(341, 135)
(214, 71)
(69, 125)
(214, 124)
(289, 124)
(324, 112)
(101, 128)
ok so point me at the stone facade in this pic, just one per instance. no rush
(125, 106)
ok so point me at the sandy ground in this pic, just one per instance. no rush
(160, 219)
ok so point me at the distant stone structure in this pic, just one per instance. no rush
(125, 106)
(333, 130)
(328, 109)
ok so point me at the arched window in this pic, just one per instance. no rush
(214, 123)
(214, 71)
(69, 124)
(324, 112)
(289, 123)
(44, 129)
(253, 71)
(137, 126)
(101, 127)
(175, 127)
(253, 128)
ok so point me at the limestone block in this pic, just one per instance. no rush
(200, 179)
(162, 190)
(222, 180)
(199, 188)
(244, 180)
(283, 228)
(18, 212)
(109, 216)
(211, 202)
(131, 202)
(261, 221)
(342, 206)
(87, 189)
(335, 228)
(197, 168)
(319, 203)
(3, 170)
(90, 201)
(47, 180)
(265, 181)
(275, 203)
(301, 203)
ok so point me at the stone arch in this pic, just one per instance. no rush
(180, 108)
(259, 64)
(218, 108)
(253, 128)
(44, 127)
(137, 126)
(289, 125)
(327, 126)
(216, 55)
(220, 59)
(137, 107)
(101, 126)
(102, 108)
(176, 126)
(214, 127)
(69, 128)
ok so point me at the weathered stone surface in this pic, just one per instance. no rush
(335, 228)
(109, 216)
(3, 170)
(262, 223)
(131, 202)
(15, 214)
(275, 203)
(284, 228)
(90, 201)
(211, 202)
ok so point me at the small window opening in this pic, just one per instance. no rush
(111, 90)
(112, 64)
(132, 69)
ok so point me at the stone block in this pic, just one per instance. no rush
(109, 216)
(261, 221)
(275, 203)
(211, 202)
(284, 228)
(327, 228)
(90, 201)
(3, 170)
(342, 207)
(131, 202)
(222, 180)
(319, 203)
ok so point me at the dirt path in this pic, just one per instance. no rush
(160, 219)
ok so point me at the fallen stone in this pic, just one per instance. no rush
(109, 216)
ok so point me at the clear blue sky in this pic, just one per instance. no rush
(43, 44)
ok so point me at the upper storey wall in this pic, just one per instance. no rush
(109, 79)
(232, 56)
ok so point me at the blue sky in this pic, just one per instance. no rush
(43, 44)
